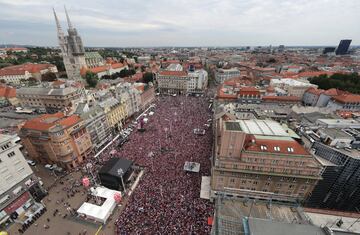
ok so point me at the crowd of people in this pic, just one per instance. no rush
(167, 199)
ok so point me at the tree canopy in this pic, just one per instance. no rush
(148, 77)
(48, 77)
(91, 79)
(346, 82)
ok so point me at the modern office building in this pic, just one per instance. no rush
(329, 50)
(343, 47)
(340, 187)
(259, 159)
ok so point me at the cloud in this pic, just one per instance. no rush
(188, 22)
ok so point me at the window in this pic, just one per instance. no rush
(267, 184)
(11, 154)
(290, 149)
(277, 148)
(263, 147)
(232, 180)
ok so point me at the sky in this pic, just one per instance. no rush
(137, 23)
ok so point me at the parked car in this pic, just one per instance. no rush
(31, 162)
(49, 167)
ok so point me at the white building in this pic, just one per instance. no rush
(17, 73)
(198, 81)
(17, 181)
(291, 86)
(221, 75)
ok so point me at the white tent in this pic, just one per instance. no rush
(103, 212)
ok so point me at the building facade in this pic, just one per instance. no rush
(57, 139)
(172, 82)
(221, 75)
(130, 95)
(115, 111)
(344, 102)
(96, 124)
(258, 159)
(52, 98)
(340, 187)
(17, 74)
(19, 187)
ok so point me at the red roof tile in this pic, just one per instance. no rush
(285, 146)
(347, 98)
(21, 69)
(173, 73)
(46, 121)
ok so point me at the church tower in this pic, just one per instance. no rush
(72, 49)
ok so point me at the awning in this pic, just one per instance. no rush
(4, 199)
(17, 190)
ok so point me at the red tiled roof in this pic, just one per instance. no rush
(99, 69)
(173, 73)
(315, 91)
(270, 145)
(334, 92)
(14, 49)
(347, 98)
(117, 65)
(20, 69)
(7, 92)
(46, 121)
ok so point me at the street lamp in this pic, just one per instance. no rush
(121, 173)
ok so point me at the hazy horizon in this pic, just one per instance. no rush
(184, 23)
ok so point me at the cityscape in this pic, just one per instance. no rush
(161, 131)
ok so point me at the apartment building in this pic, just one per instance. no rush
(115, 111)
(96, 124)
(259, 159)
(147, 94)
(19, 187)
(130, 95)
(17, 73)
(345, 102)
(222, 75)
(291, 86)
(172, 82)
(57, 138)
(52, 96)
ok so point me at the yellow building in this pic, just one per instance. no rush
(115, 111)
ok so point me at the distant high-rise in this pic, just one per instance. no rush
(328, 50)
(72, 49)
(343, 47)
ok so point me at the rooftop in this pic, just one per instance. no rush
(262, 127)
(47, 121)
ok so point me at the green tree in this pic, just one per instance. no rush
(91, 79)
(48, 77)
(148, 77)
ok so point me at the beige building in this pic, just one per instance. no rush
(56, 96)
(172, 82)
(56, 138)
(115, 112)
(258, 159)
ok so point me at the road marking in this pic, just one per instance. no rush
(97, 232)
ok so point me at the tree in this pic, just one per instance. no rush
(148, 77)
(48, 77)
(107, 77)
(91, 79)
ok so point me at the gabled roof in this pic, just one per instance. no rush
(21, 69)
(347, 98)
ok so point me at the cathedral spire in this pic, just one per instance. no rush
(58, 26)
(68, 18)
